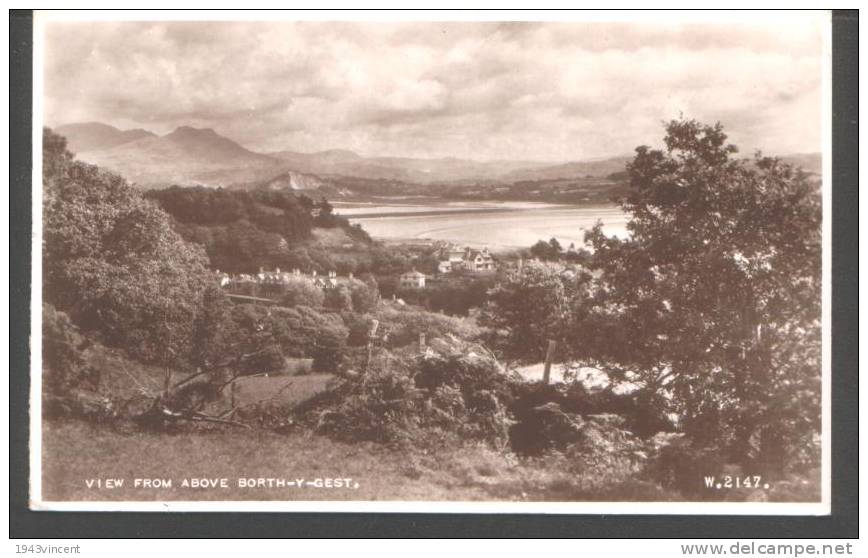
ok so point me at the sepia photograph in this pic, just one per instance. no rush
(494, 265)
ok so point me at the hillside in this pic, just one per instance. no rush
(201, 157)
(186, 156)
(293, 180)
(580, 169)
(92, 136)
(416, 170)
(242, 231)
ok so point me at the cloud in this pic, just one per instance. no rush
(553, 91)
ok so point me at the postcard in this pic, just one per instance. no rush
(495, 262)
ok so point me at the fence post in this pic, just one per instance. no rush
(550, 355)
(372, 334)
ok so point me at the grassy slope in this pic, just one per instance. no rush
(280, 389)
(75, 452)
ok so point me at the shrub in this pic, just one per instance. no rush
(63, 366)
(605, 449)
(379, 406)
(302, 293)
(339, 299)
(114, 263)
(304, 332)
(538, 408)
(358, 326)
(364, 296)
(678, 463)
(405, 325)
(418, 401)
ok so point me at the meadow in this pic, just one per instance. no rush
(75, 452)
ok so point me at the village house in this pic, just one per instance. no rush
(412, 280)
(478, 260)
(453, 258)
(278, 277)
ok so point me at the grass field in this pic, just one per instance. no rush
(77, 452)
(287, 390)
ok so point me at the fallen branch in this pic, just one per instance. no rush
(202, 417)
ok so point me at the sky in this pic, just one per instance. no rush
(554, 91)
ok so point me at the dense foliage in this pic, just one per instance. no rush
(718, 290)
(455, 296)
(704, 322)
(530, 308)
(296, 332)
(711, 307)
(245, 230)
(420, 400)
(114, 264)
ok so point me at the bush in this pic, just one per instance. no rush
(611, 454)
(113, 262)
(302, 293)
(540, 426)
(63, 362)
(418, 401)
(358, 326)
(678, 463)
(339, 299)
(364, 296)
(405, 325)
(296, 332)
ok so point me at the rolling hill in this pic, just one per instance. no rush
(190, 156)
(186, 156)
(579, 169)
(92, 136)
(416, 170)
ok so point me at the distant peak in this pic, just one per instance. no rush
(91, 124)
(340, 152)
(189, 130)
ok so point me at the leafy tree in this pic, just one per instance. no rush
(63, 362)
(113, 262)
(404, 324)
(303, 293)
(547, 251)
(365, 296)
(325, 216)
(339, 298)
(243, 230)
(304, 332)
(529, 309)
(555, 246)
(215, 334)
(714, 299)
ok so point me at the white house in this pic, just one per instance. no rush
(478, 260)
(412, 280)
(452, 258)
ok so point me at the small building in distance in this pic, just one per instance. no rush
(274, 280)
(412, 280)
(453, 258)
(478, 260)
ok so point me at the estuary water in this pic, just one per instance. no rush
(501, 226)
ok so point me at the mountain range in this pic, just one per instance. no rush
(194, 156)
